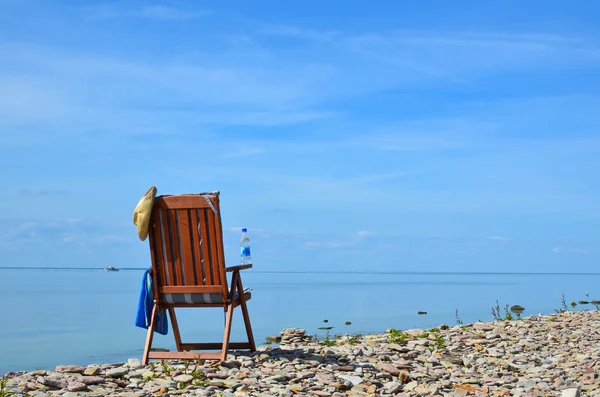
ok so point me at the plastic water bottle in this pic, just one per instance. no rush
(245, 248)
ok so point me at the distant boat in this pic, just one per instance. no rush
(111, 269)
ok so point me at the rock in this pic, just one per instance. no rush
(183, 378)
(91, 380)
(76, 386)
(167, 383)
(134, 363)
(117, 372)
(571, 392)
(355, 380)
(70, 368)
(91, 371)
(389, 368)
(54, 382)
(392, 387)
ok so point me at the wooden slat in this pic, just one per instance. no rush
(186, 242)
(183, 201)
(238, 267)
(214, 263)
(176, 245)
(214, 346)
(158, 244)
(218, 232)
(167, 248)
(184, 355)
(190, 289)
(195, 235)
(206, 247)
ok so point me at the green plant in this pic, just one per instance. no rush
(354, 339)
(3, 384)
(397, 336)
(422, 335)
(496, 311)
(198, 375)
(328, 341)
(458, 320)
(434, 330)
(166, 368)
(199, 382)
(563, 305)
(508, 315)
(440, 342)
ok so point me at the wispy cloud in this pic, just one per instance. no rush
(41, 192)
(157, 12)
(498, 238)
(574, 250)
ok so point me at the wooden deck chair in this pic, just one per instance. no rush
(188, 270)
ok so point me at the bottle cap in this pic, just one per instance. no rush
(244, 230)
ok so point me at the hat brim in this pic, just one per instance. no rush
(142, 213)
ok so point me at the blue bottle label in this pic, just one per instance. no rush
(245, 251)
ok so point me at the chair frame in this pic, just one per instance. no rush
(166, 232)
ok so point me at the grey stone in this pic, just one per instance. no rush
(183, 378)
(76, 386)
(134, 363)
(355, 380)
(571, 392)
(117, 372)
(393, 387)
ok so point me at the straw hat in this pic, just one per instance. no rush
(142, 212)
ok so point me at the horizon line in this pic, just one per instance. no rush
(357, 272)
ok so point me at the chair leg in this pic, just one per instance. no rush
(176, 333)
(246, 315)
(227, 334)
(149, 336)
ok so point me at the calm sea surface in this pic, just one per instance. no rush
(83, 316)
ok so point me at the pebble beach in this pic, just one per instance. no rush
(540, 355)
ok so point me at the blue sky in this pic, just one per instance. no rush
(406, 136)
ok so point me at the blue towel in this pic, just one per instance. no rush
(145, 304)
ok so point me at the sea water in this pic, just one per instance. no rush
(83, 316)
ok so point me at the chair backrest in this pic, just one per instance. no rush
(186, 244)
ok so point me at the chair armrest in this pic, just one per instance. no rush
(239, 267)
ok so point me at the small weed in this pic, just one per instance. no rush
(434, 330)
(458, 320)
(422, 335)
(166, 368)
(563, 305)
(440, 342)
(328, 341)
(496, 311)
(3, 384)
(397, 336)
(199, 382)
(354, 339)
(464, 327)
(508, 315)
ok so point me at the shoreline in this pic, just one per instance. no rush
(545, 355)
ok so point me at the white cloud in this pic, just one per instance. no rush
(561, 249)
(148, 11)
(498, 238)
(364, 233)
